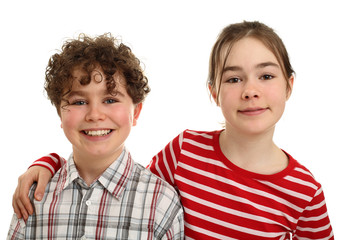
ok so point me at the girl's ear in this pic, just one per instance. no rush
(137, 111)
(213, 93)
(291, 84)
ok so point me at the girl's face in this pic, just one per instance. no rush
(253, 89)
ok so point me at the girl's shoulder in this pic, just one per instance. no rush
(301, 173)
(193, 140)
(196, 134)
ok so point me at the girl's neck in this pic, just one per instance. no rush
(254, 153)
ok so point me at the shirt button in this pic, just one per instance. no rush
(88, 202)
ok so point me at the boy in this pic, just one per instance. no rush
(98, 87)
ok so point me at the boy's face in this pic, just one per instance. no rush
(96, 122)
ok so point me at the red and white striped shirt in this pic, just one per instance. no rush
(223, 201)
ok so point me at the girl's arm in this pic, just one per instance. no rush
(41, 172)
(314, 222)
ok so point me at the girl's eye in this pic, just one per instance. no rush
(267, 77)
(234, 80)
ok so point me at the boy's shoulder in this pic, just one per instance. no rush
(152, 181)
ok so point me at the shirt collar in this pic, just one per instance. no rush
(113, 179)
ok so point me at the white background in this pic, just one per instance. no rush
(320, 127)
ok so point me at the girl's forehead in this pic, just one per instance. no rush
(247, 51)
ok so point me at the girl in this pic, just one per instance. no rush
(235, 183)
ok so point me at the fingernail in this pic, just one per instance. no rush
(38, 196)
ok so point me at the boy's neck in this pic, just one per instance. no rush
(90, 168)
(256, 153)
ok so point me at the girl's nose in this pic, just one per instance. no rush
(250, 91)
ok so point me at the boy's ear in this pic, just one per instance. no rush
(137, 111)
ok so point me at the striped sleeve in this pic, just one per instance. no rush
(314, 222)
(164, 163)
(53, 162)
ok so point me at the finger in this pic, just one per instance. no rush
(20, 210)
(16, 208)
(22, 198)
(41, 185)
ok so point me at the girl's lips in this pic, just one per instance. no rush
(253, 111)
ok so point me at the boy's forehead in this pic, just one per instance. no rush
(96, 76)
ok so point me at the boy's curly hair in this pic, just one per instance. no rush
(89, 53)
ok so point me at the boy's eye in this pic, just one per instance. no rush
(109, 101)
(78, 102)
(267, 77)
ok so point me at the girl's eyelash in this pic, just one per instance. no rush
(267, 76)
(233, 80)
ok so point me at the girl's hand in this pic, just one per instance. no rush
(21, 201)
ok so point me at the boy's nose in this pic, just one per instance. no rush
(95, 113)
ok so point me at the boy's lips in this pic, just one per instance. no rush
(97, 133)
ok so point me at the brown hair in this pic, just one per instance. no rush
(88, 53)
(233, 33)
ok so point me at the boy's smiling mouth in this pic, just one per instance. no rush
(97, 133)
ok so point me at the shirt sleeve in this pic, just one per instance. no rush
(165, 162)
(314, 222)
(53, 162)
(17, 229)
(169, 217)
(176, 231)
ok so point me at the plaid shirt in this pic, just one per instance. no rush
(126, 202)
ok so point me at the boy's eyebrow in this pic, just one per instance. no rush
(74, 93)
(114, 93)
(260, 65)
(83, 93)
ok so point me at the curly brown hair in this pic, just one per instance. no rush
(89, 53)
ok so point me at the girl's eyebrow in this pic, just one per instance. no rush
(232, 68)
(260, 65)
(266, 64)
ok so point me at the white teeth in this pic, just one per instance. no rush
(97, 133)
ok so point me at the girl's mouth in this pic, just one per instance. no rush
(253, 111)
